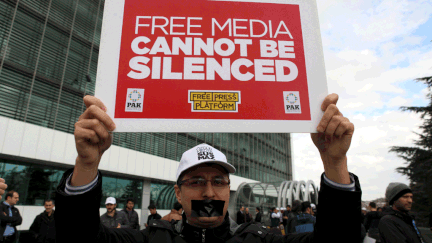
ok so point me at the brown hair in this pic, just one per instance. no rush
(9, 194)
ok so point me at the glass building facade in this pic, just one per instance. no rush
(48, 59)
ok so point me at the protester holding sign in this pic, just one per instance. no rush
(206, 217)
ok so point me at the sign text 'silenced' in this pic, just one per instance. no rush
(198, 54)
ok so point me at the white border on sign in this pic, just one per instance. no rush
(109, 55)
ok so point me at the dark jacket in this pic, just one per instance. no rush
(153, 217)
(285, 214)
(398, 227)
(71, 228)
(291, 221)
(430, 220)
(43, 228)
(13, 221)
(132, 218)
(248, 218)
(371, 221)
(240, 217)
(113, 222)
(258, 217)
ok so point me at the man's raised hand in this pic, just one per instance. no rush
(92, 138)
(333, 140)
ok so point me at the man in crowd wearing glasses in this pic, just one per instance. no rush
(203, 189)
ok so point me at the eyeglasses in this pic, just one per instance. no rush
(201, 182)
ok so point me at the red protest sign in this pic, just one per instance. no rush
(198, 62)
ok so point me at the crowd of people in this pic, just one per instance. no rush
(283, 220)
(202, 190)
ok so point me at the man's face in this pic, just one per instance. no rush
(110, 207)
(242, 209)
(247, 210)
(180, 211)
(404, 203)
(14, 199)
(48, 207)
(130, 205)
(153, 211)
(185, 195)
(288, 209)
(256, 210)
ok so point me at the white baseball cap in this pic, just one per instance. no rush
(277, 209)
(201, 154)
(363, 208)
(110, 200)
(313, 206)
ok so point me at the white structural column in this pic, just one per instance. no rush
(145, 202)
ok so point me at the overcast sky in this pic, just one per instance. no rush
(373, 51)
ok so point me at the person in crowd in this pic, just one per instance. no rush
(113, 218)
(397, 225)
(240, 215)
(131, 214)
(248, 216)
(296, 210)
(285, 218)
(304, 221)
(430, 221)
(258, 215)
(153, 214)
(371, 222)
(43, 226)
(10, 217)
(379, 209)
(313, 206)
(203, 188)
(175, 214)
(282, 212)
(275, 221)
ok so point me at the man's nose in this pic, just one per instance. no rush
(209, 191)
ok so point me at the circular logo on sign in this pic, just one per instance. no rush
(291, 98)
(134, 96)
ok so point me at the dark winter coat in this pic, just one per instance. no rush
(43, 228)
(398, 227)
(13, 221)
(240, 217)
(248, 218)
(153, 217)
(113, 222)
(71, 228)
(371, 222)
(258, 217)
(132, 218)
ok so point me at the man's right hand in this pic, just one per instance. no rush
(92, 138)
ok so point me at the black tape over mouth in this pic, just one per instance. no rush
(207, 208)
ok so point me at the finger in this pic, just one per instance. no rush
(85, 134)
(91, 100)
(345, 128)
(333, 125)
(2, 180)
(95, 125)
(329, 99)
(331, 111)
(94, 112)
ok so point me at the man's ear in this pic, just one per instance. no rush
(178, 193)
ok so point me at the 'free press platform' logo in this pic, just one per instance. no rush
(292, 102)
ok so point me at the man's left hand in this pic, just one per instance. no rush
(333, 140)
